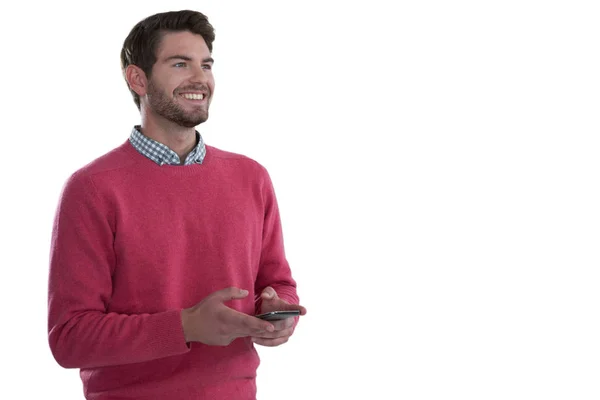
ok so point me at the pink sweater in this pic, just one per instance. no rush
(133, 243)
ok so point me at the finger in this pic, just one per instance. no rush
(274, 335)
(270, 342)
(283, 324)
(230, 293)
(252, 326)
(243, 325)
(269, 293)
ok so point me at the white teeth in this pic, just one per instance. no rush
(193, 96)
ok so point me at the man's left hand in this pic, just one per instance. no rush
(283, 328)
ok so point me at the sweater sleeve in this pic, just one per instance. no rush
(274, 269)
(82, 333)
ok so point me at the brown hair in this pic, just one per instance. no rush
(140, 45)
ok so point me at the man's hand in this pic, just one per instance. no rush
(212, 322)
(283, 328)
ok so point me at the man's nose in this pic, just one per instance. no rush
(200, 75)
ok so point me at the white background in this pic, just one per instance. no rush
(436, 164)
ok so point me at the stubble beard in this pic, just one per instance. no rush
(166, 107)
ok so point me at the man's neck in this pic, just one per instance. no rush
(180, 139)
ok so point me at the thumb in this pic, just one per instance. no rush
(230, 293)
(269, 293)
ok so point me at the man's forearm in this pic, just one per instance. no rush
(93, 339)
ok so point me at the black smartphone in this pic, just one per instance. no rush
(277, 315)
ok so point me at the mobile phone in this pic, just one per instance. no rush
(278, 315)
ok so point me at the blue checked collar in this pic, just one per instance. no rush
(161, 154)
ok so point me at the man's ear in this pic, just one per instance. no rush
(137, 80)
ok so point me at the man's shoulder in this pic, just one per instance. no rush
(224, 154)
(115, 159)
(235, 159)
(105, 165)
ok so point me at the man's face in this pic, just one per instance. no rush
(181, 85)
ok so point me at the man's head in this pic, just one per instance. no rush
(166, 61)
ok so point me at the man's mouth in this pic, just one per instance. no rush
(193, 96)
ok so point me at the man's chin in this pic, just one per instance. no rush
(192, 122)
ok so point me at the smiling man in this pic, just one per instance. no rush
(165, 249)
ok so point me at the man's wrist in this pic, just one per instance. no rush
(185, 324)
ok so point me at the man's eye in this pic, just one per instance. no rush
(207, 66)
(179, 64)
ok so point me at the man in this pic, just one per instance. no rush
(164, 249)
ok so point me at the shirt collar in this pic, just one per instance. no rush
(162, 154)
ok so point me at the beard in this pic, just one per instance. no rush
(161, 104)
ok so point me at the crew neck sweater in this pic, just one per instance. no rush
(133, 243)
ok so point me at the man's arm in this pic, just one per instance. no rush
(82, 334)
(275, 288)
(274, 269)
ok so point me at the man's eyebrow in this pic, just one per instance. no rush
(187, 58)
(178, 57)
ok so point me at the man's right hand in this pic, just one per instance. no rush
(212, 322)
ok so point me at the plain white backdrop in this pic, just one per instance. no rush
(436, 165)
